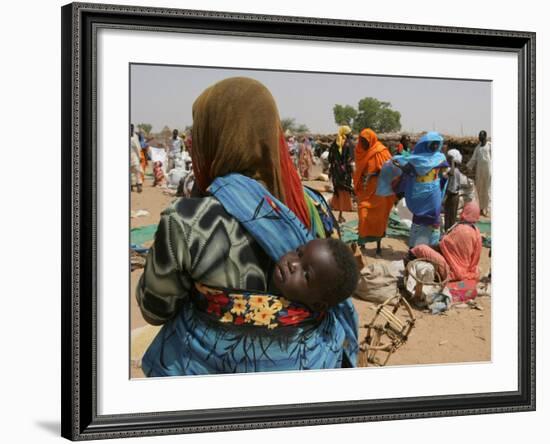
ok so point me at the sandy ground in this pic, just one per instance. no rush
(462, 334)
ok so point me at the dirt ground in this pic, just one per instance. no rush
(461, 334)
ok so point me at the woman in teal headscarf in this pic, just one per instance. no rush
(422, 186)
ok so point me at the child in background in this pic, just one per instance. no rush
(452, 197)
(403, 147)
(158, 174)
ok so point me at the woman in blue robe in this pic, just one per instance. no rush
(421, 184)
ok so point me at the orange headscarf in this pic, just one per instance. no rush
(373, 211)
(236, 129)
(364, 153)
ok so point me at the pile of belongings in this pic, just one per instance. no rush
(378, 282)
(427, 290)
(138, 255)
(425, 287)
(181, 170)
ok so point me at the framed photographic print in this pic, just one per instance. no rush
(275, 221)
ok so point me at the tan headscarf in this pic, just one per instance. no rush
(343, 131)
(236, 130)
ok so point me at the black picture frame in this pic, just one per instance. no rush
(80, 22)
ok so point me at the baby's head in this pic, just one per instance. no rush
(319, 274)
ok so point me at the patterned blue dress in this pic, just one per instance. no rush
(224, 241)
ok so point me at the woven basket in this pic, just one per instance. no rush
(387, 331)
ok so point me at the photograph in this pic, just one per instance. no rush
(275, 221)
(285, 220)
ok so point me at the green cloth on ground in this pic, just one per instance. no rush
(348, 230)
(395, 229)
(140, 235)
(485, 230)
(484, 226)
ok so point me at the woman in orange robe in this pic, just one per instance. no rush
(374, 211)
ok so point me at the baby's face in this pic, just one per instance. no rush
(305, 274)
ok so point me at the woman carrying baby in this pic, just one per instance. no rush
(211, 277)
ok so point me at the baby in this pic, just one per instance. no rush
(319, 274)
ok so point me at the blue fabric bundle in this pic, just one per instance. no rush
(388, 174)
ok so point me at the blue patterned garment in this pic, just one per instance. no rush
(194, 343)
(277, 229)
(421, 181)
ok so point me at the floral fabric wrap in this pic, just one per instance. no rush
(241, 307)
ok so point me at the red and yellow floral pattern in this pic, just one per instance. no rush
(246, 308)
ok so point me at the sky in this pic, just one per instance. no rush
(163, 95)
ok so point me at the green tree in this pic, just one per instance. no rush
(378, 115)
(344, 114)
(145, 127)
(289, 124)
(370, 113)
(302, 129)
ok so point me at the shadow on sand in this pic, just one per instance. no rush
(53, 427)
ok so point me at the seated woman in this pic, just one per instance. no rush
(251, 210)
(459, 250)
